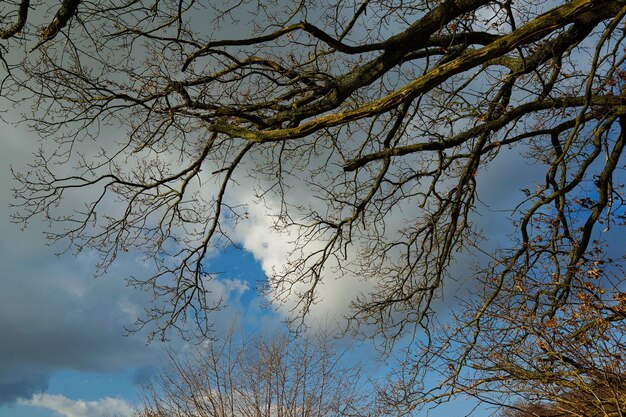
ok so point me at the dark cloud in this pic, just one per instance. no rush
(22, 386)
(53, 314)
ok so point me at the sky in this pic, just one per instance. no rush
(61, 331)
(63, 347)
(64, 350)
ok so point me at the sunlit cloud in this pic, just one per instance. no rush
(66, 407)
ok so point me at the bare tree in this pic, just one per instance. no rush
(572, 360)
(14, 15)
(277, 376)
(594, 400)
(365, 129)
(514, 351)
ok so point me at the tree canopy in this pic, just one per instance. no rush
(260, 377)
(363, 129)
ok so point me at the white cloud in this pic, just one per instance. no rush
(67, 407)
(273, 248)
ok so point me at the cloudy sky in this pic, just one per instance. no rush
(63, 347)
(58, 327)
(64, 350)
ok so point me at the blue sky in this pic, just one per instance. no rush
(62, 330)
(64, 351)
(63, 347)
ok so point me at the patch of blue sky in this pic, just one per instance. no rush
(18, 410)
(92, 386)
(236, 264)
